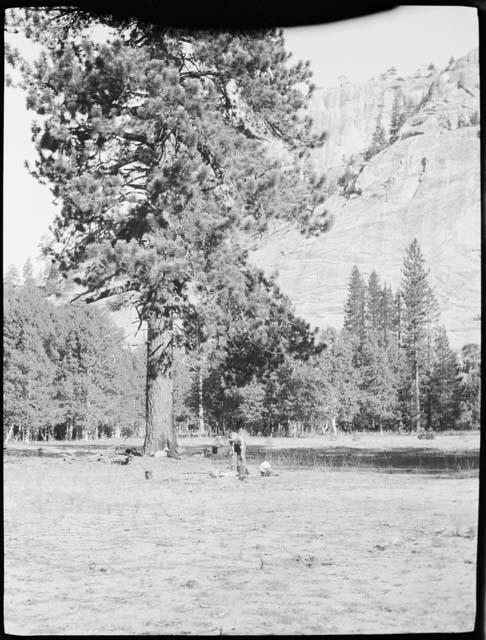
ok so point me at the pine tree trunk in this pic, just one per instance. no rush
(159, 425)
(201, 408)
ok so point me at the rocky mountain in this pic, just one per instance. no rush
(403, 161)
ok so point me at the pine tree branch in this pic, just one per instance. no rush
(107, 293)
(210, 159)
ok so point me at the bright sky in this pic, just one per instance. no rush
(407, 37)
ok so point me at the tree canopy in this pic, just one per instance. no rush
(169, 152)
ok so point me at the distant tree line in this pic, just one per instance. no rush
(408, 377)
(390, 368)
(68, 373)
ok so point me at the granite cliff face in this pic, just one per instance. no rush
(424, 183)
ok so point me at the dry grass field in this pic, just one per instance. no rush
(95, 548)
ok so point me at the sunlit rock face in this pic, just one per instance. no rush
(425, 184)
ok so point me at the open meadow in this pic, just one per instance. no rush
(217, 232)
(95, 548)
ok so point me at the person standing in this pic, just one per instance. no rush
(238, 443)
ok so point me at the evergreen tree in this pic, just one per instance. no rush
(66, 371)
(379, 385)
(125, 369)
(445, 384)
(355, 305)
(292, 396)
(400, 371)
(154, 143)
(428, 359)
(378, 140)
(29, 406)
(398, 317)
(386, 315)
(418, 306)
(341, 378)
(54, 284)
(28, 273)
(185, 406)
(397, 115)
(90, 379)
(470, 372)
(12, 277)
(252, 405)
(374, 303)
(251, 350)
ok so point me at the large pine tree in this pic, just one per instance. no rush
(374, 303)
(355, 305)
(419, 307)
(155, 143)
(386, 315)
(444, 384)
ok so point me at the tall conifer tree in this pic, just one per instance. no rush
(386, 315)
(418, 305)
(444, 383)
(355, 305)
(374, 303)
(156, 144)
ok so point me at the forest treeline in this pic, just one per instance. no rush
(390, 368)
(68, 372)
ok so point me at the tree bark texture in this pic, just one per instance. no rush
(159, 425)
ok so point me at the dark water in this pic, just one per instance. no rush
(404, 459)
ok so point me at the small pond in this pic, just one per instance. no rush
(400, 459)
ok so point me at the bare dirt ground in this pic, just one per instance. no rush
(94, 548)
